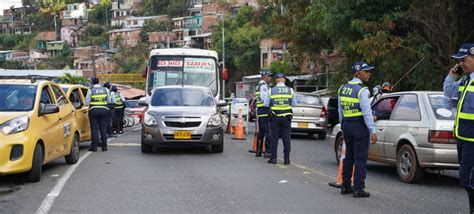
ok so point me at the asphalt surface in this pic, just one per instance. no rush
(123, 180)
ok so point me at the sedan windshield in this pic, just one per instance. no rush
(17, 97)
(182, 97)
(308, 100)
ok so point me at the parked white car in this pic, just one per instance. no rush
(414, 131)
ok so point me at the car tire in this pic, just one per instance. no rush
(310, 134)
(219, 148)
(73, 156)
(145, 147)
(338, 148)
(34, 175)
(322, 135)
(408, 168)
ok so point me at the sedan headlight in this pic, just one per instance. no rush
(15, 125)
(215, 121)
(149, 120)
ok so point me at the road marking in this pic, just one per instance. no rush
(124, 144)
(48, 201)
(283, 182)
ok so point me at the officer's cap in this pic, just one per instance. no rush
(361, 66)
(465, 50)
(265, 72)
(113, 88)
(95, 80)
(279, 75)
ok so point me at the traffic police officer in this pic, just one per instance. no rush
(98, 99)
(463, 89)
(281, 101)
(110, 113)
(357, 124)
(263, 122)
(119, 107)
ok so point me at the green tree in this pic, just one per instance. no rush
(68, 78)
(102, 13)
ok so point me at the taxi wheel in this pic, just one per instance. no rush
(409, 171)
(34, 175)
(146, 148)
(73, 156)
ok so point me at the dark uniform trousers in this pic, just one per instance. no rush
(357, 138)
(118, 119)
(98, 118)
(264, 133)
(110, 117)
(466, 164)
(280, 127)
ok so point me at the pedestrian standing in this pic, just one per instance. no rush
(281, 100)
(110, 113)
(463, 90)
(119, 107)
(358, 128)
(263, 111)
(98, 99)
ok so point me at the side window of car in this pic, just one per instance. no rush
(408, 109)
(46, 96)
(76, 97)
(60, 97)
(383, 108)
(84, 91)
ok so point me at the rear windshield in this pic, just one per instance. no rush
(443, 107)
(308, 100)
(17, 97)
(131, 103)
(182, 97)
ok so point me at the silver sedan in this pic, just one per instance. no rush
(414, 131)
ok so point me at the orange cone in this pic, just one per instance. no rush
(254, 145)
(239, 128)
(338, 182)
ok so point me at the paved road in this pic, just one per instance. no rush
(123, 180)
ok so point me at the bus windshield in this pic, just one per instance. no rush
(182, 70)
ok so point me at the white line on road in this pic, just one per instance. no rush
(49, 199)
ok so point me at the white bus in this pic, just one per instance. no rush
(183, 66)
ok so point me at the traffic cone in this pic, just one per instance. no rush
(255, 141)
(338, 182)
(239, 128)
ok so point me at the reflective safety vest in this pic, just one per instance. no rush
(462, 85)
(280, 101)
(118, 100)
(464, 122)
(349, 95)
(262, 111)
(99, 97)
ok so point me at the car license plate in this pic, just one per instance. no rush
(182, 135)
(303, 125)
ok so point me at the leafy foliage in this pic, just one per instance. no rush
(68, 78)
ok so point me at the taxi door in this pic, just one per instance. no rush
(82, 112)
(49, 124)
(67, 123)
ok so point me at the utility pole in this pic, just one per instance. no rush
(168, 35)
(223, 56)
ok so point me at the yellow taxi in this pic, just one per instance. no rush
(76, 94)
(37, 125)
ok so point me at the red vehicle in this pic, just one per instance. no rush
(253, 108)
(135, 109)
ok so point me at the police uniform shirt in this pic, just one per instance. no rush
(451, 86)
(266, 101)
(88, 96)
(264, 93)
(364, 106)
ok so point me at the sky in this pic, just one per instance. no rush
(5, 4)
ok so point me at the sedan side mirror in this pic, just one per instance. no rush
(48, 109)
(142, 102)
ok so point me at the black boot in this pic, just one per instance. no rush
(272, 161)
(286, 161)
(470, 193)
(104, 148)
